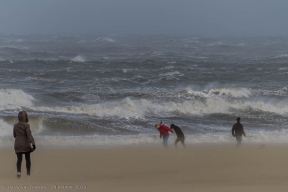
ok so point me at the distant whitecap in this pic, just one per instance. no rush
(78, 59)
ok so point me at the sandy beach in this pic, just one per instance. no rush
(198, 168)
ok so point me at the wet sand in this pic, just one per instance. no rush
(198, 168)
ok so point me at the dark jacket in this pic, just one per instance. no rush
(177, 130)
(238, 129)
(22, 134)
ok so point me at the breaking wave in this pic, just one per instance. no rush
(142, 108)
(5, 128)
(78, 59)
(281, 56)
(227, 92)
(14, 99)
(104, 39)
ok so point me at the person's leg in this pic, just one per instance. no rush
(175, 143)
(165, 141)
(19, 162)
(183, 143)
(28, 162)
(239, 139)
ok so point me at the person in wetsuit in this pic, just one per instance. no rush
(23, 141)
(238, 131)
(180, 135)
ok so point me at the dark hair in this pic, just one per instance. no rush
(172, 126)
(238, 119)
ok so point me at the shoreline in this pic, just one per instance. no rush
(150, 146)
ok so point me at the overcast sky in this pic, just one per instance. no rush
(169, 17)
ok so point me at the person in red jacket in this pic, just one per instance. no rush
(164, 132)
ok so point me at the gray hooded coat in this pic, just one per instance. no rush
(22, 134)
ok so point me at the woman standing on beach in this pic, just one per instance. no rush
(23, 140)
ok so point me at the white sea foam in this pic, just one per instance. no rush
(82, 41)
(174, 73)
(278, 108)
(261, 137)
(36, 124)
(283, 69)
(104, 39)
(19, 40)
(215, 44)
(228, 92)
(15, 41)
(192, 41)
(96, 140)
(168, 67)
(142, 108)
(14, 99)
(281, 92)
(281, 56)
(78, 58)
(6, 126)
(6, 129)
(198, 57)
(124, 108)
(132, 108)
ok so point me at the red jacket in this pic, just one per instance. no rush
(164, 130)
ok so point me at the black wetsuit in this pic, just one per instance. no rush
(237, 129)
(179, 133)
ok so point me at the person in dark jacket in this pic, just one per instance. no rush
(23, 141)
(164, 132)
(238, 131)
(180, 135)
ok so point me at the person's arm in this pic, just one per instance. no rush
(160, 134)
(167, 128)
(233, 131)
(30, 137)
(243, 132)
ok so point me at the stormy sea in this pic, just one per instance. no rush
(111, 91)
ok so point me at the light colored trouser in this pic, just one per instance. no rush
(165, 141)
(239, 139)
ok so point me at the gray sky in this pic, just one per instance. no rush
(170, 17)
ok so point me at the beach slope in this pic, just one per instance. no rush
(201, 168)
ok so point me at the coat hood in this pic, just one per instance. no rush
(22, 117)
